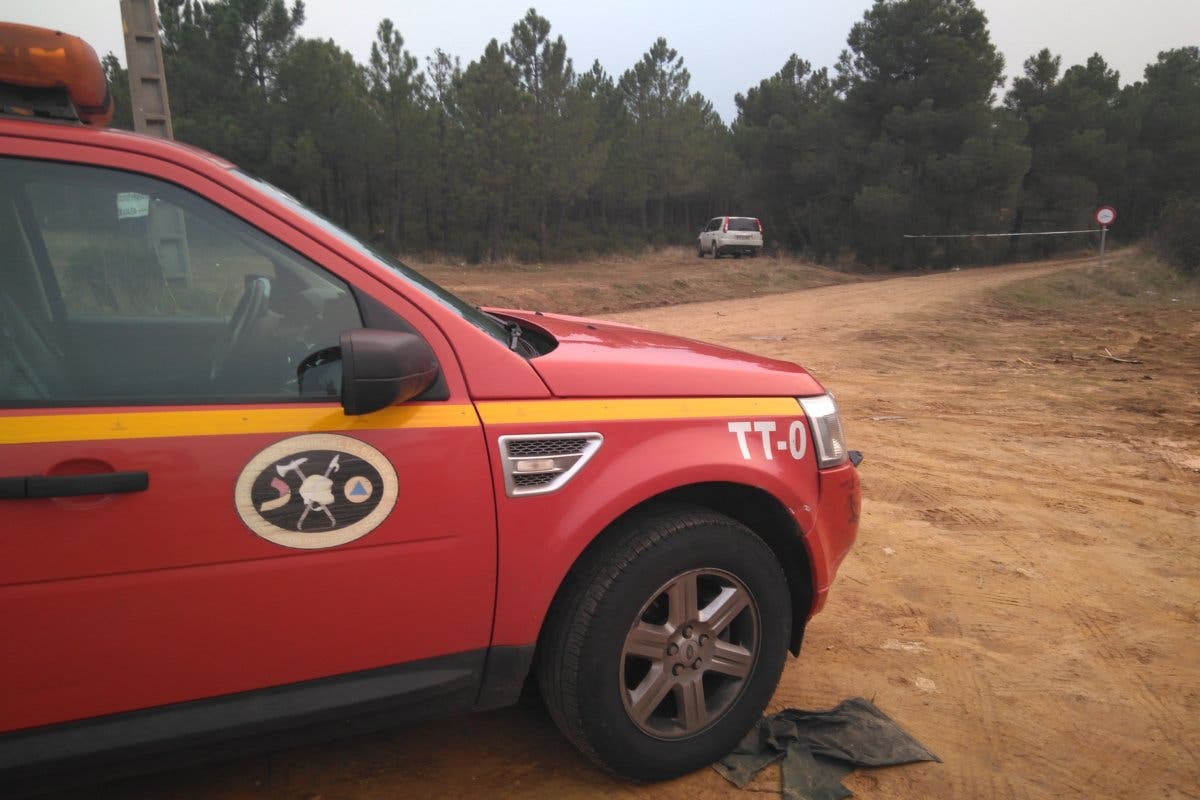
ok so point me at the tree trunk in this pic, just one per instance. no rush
(1018, 219)
(542, 232)
(558, 225)
(370, 199)
(428, 203)
(493, 228)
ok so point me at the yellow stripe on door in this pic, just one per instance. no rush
(148, 424)
(224, 422)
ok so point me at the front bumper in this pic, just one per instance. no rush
(836, 528)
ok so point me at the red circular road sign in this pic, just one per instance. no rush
(1106, 215)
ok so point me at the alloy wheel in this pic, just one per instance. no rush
(689, 653)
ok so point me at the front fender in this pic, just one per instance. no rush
(541, 536)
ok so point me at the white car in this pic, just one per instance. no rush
(737, 235)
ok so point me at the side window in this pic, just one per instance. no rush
(119, 288)
(714, 224)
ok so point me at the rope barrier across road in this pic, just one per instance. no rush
(993, 235)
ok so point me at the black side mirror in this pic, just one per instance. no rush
(382, 367)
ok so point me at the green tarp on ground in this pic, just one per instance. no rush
(816, 749)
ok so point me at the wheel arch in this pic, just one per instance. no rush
(758, 510)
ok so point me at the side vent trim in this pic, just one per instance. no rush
(541, 463)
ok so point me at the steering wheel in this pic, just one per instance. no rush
(250, 308)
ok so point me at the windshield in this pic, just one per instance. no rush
(485, 322)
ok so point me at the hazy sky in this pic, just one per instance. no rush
(727, 47)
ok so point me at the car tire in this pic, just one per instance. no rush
(699, 250)
(665, 643)
(715, 252)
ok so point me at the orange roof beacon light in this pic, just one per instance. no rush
(38, 64)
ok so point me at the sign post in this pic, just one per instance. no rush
(1105, 216)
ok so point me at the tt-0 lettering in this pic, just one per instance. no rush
(793, 441)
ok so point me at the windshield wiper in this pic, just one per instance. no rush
(514, 331)
(514, 335)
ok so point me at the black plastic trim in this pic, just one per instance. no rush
(799, 627)
(77, 753)
(504, 676)
(41, 103)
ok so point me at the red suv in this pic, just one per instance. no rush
(255, 476)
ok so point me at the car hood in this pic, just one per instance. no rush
(608, 359)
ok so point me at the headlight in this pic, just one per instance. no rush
(830, 441)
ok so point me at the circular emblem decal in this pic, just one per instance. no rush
(314, 491)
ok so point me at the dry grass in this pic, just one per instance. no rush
(617, 283)
(1130, 281)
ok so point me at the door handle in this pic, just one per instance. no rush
(33, 486)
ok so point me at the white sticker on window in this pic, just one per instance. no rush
(132, 204)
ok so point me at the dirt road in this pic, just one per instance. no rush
(1025, 592)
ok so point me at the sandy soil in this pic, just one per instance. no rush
(1025, 592)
